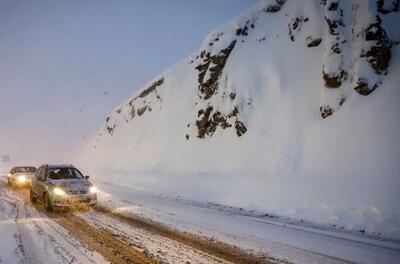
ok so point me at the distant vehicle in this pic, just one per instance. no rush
(62, 186)
(20, 177)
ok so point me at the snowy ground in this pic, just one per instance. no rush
(84, 236)
(278, 237)
(33, 237)
(166, 250)
(29, 237)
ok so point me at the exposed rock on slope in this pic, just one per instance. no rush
(338, 71)
(366, 37)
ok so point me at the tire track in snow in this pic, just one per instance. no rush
(103, 242)
(119, 244)
(25, 244)
(38, 239)
(167, 250)
(52, 237)
(112, 249)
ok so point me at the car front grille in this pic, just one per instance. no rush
(82, 191)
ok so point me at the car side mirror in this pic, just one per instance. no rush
(87, 177)
(11, 171)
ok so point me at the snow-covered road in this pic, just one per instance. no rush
(166, 250)
(30, 237)
(279, 238)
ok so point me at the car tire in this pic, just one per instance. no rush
(47, 203)
(32, 196)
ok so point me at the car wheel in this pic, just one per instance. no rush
(47, 203)
(32, 196)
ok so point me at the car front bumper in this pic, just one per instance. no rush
(70, 200)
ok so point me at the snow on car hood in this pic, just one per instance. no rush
(71, 184)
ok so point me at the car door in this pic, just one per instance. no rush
(39, 182)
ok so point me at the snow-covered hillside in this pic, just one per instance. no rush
(292, 108)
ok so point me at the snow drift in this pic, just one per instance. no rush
(291, 108)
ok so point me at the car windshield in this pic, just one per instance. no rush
(64, 173)
(24, 169)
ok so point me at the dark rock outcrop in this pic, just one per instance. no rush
(378, 56)
(240, 128)
(364, 88)
(333, 5)
(151, 88)
(141, 111)
(214, 64)
(242, 31)
(385, 9)
(333, 80)
(313, 42)
(132, 113)
(334, 18)
(295, 26)
(110, 129)
(326, 111)
(275, 7)
(208, 121)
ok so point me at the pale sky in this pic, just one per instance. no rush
(64, 65)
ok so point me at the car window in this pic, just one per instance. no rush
(24, 169)
(64, 173)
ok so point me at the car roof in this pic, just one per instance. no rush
(52, 166)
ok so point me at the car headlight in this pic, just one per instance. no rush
(59, 191)
(21, 179)
(93, 189)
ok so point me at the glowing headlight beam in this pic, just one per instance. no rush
(93, 189)
(59, 191)
(21, 179)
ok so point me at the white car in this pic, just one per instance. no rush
(20, 177)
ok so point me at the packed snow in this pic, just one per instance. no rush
(28, 236)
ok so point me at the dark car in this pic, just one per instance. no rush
(62, 186)
(21, 176)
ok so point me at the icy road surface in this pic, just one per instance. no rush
(29, 237)
(93, 236)
(278, 238)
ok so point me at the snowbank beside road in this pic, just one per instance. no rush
(284, 239)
